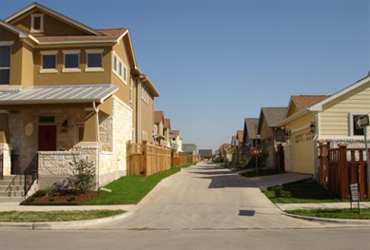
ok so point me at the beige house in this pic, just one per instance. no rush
(68, 90)
(166, 132)
(324, 118)
(176, 140)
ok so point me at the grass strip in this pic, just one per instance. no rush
(306, 191)
(334, 213)
(130, 189)
(53, 216)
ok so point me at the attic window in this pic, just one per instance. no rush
(37, 23)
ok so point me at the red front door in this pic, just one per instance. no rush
(48, 138)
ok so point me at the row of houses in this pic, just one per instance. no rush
(68, 90)
(291, 138)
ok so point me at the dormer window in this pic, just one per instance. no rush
(37, 23)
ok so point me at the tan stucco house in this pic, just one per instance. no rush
(68, 90)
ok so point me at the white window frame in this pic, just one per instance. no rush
(351, 123)
(41, 23)
(123, 67)
(7, 44)
(94, 69)
(49, 52)
(144, 94)
(71, 52)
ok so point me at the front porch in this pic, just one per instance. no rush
(39, 141)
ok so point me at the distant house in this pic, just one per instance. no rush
(205, 154)
(251, 141)
(225, 152)
(189, 148)
(166, 132)
(238, 156)
(158, 129)
(176, 140)
(271, 134)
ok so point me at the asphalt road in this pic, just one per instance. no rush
(284, 239)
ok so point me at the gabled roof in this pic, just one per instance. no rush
(59, 94)
(272, 115)
(175, 132)
(14, 29)
(251, 124)
(158, 117)
(52, 13)
(108, 35)
(240, 135)
(304, 101)
(318, 106)
(167, 123)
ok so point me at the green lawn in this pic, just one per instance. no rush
(300, 192)
(261, 173)
(26, 216)
(130, 189)
(334, 213)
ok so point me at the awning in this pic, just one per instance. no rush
(58, 94)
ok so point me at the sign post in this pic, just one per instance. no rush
(355, 196)
(363, 122)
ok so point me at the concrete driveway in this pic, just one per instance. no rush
(206, 197)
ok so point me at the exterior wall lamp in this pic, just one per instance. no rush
(288, 133)
(312, 127)
(65, 126)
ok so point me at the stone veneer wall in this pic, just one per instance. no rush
(113, 165)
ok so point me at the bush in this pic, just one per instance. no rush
(48, 191)
(39, 193)
(71, 199)
(83, 175)
(30, 199)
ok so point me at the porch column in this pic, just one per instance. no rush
(91, 128)
(5, 147)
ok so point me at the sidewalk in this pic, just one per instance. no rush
(16, 207)
(278, 179)
(306, 206)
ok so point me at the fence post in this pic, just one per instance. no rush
(128, 156)
(343, 175)
(145, 158)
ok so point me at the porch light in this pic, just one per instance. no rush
(288, 133)
(312, 127)
(65, 126)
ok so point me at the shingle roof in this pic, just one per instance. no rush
(59, 94)
(108, 34)
(240, 135)
(273, 115)
(205, 152)
(175, 132)
(158, 117)
(167, 123)
(252, 127)
(304, 101)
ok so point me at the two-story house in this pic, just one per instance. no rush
(251, 140)
(68, 90)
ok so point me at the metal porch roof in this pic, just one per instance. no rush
(59, 94)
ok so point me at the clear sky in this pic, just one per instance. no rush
(218, 62)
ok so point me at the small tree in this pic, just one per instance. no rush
(83, 175)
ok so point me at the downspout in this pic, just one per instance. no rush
(96, 110)
(315, 138)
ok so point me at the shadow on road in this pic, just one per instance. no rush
(223, 181)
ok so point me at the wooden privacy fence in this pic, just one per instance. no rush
(339, 167)
(180, 159)
(146, 159)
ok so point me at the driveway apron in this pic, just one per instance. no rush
(206, 197)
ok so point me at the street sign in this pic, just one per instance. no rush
(355, 196)
(362, 121)
(354, 192)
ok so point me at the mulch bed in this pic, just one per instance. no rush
(65, 197)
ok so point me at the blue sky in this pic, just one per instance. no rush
(218, 62)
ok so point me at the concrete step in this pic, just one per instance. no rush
(11, 188)
(11, 199)
(12, 182)
(12, 177)
(11, 193)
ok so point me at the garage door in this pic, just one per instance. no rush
(303, 152)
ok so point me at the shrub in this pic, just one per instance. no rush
(71, 199)
(39, 193)
(51, 200)
(83, 175)
(30, 199)
(48, 191)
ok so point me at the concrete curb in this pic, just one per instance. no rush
(329, 220)
(61, 224)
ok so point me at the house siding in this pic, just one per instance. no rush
(147, 117)
(334, 119)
